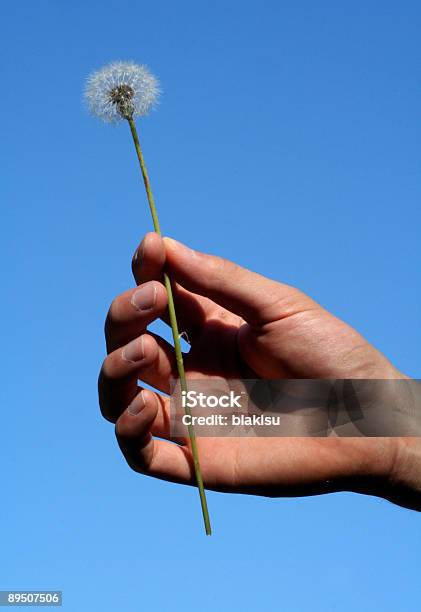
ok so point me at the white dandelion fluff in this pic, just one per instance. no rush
(121, 90)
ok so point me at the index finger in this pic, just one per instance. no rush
(257, 299)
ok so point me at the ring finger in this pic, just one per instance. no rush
(148, 358)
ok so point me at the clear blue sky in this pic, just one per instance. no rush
(288, 140)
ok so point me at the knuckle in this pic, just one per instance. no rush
(114, 311)
(130, 447)
(294, 300)
(108, 368)
(105, 413)
(136, 264)
(121, 430)
(134, 464)
(218, 269)
(103, 405)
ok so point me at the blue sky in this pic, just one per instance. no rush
(287, 139)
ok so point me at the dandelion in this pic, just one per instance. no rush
(122, 91)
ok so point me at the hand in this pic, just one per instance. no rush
(241, 325)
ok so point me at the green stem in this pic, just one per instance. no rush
(174, 328)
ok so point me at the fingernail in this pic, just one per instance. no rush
(134, 351)
(145, 297)
(137, 404)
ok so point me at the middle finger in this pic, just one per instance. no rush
(132, 311)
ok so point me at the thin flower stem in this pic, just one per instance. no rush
(174, 328)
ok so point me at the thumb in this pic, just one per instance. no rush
(255, 298)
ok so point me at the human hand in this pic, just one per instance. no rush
(241, 325)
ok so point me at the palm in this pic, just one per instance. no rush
(266, 465)
(309, 343)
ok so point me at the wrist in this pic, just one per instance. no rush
(391, 469)
(365, 466)
(404, 479)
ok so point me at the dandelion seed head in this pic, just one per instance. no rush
(121, 90)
